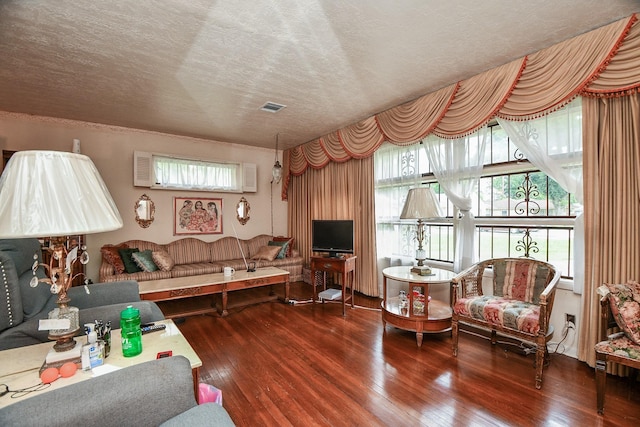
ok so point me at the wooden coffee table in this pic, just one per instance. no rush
(19, 367)
(210, 284)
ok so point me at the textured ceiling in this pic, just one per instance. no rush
(204, 68)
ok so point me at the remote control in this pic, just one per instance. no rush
(152, 328)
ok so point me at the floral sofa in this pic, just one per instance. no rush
(143, 260)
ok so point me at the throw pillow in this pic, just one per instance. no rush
(112, 256)
(289, 246)
(267, 253)
(283, 250)
(625, 307)
(163, 260)
(130, 265)
(144, 260)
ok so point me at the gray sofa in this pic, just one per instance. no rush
(160, 395)
(21, 306)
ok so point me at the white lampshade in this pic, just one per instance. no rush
(54, 193)
(421, 203)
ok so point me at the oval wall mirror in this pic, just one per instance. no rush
(144, 209)
(242, 210)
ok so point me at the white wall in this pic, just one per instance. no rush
(111, 149)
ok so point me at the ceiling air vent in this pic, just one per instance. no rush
(272, 107)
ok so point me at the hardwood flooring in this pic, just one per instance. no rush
(306, 365)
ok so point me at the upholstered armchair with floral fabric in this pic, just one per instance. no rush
(518, 304)
(620, 307)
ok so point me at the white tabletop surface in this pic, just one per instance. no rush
(19, 366)
(404, 274)
(148, 286)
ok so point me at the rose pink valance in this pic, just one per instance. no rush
(603, 62)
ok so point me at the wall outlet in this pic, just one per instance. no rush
(570, 318)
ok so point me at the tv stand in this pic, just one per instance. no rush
(342, 266)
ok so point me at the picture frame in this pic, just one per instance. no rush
(197, 215)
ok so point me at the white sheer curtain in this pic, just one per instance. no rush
(396, 169)
(457, 164)
(195, 174)
(553, 144)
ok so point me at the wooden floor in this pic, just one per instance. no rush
(306, 365)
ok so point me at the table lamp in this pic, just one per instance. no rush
(421, 204)
(55, 194)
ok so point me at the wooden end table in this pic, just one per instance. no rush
(421, 313)
(343, 266)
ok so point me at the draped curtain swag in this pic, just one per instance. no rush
(597, 63)
(601, 64)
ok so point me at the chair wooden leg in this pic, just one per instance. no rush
(601, 380)
(540, 351)
(454, 336)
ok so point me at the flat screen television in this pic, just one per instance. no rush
(332, 236)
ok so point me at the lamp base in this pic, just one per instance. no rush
(58, 356)
(64, 342)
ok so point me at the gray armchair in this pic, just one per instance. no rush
(21, 306)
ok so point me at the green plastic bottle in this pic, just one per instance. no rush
(130, 331)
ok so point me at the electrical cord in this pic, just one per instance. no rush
(23, 391)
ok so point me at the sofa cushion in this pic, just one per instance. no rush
(283, 248)
(226, 248)
(520, 280)
(10, 301)
(184, 270)
(130, 265)
(503, 312)
(21, 252)
(621, 346)
(268, 253)
(206, 414)
(144, 260)
(112, 256)
(289, 240)
(188, 251)
(254, 244)
(163, 260)
(624, 299)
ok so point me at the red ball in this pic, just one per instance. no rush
(68, 370)
(49, 375)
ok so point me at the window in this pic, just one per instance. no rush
(168, 172)
(518, 210)
(195, 174)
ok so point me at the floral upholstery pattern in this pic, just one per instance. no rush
(625, 306)
(499, 311)
(620, 346)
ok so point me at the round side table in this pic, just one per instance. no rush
(420, 313)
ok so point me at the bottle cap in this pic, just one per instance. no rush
(93, 337)
(129, 313)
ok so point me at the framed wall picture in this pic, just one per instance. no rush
(197, 215)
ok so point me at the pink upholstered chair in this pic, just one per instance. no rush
(619, 306)
(518, 306)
